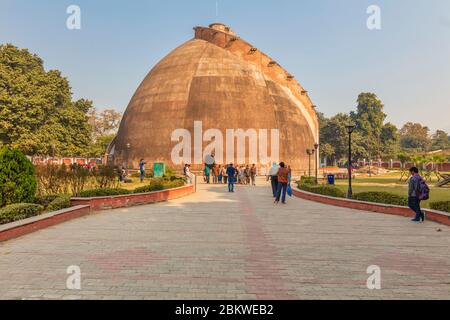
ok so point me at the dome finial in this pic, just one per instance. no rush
(222, 27)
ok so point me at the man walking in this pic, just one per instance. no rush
(416, 183)
(142, 164)
(231, 172)
(283, 178)
(273, 176)
(253, 174)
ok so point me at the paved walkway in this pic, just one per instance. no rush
(216, 245)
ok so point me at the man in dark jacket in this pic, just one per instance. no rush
(414, 193)
(231, 172)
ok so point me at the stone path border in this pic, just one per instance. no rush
(431, 215)
(84, 206)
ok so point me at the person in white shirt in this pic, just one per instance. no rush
(187, 174)
(273, 176)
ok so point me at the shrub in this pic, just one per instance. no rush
(17, 179)
(78, 176)
(170, 172)
(106, 177)
(19, 211)
(59, 203)
(158, 184)
(307, 180)
(149, 188)
(325, 190)
(52, 179)
(148, 174)
(44, 200)
(381, 197)
(441, 206)
(177, 183)
(103, 193)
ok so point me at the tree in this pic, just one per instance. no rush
(99, 147)
(369, 118)
(326, 151)
(390, 139)
(440, 140)
(37, 114)
(104, 126)
(335, 134)
(334, 137)
(415, 136)
(105, 122)
(17, 179)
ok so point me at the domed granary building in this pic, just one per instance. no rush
(217, 94)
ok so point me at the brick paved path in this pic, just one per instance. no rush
(216, 245)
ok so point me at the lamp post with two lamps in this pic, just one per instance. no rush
(350, 129)
(316, 148)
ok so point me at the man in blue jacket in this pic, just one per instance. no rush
(231, 172)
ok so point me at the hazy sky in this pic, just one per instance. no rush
(324, 43)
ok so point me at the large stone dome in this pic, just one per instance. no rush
(217, 81)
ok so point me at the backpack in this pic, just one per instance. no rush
(423, 189)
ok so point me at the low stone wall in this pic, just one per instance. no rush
(112, 202)
(25, 226)
(431, 215)
(85, 206)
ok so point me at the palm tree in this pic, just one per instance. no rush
(438, 160)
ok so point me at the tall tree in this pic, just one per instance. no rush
(415, 136)
(37, 114)
(104, 126)
(440, 140)
(389, 141)
(335, 137)
(105, 122)
(369, 119)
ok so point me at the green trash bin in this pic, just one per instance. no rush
(159, 169)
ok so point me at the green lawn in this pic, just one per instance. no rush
(390, 183)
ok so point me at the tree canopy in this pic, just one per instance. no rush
(373, 138)
(37, 113)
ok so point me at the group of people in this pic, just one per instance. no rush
(243, 174)
(280, 178)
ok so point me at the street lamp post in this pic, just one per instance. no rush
(309, 152)
(128, 157)
(316, 148)
(350, 129)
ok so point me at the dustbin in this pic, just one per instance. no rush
(330, 178)
(159, 169)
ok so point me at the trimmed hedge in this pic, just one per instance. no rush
(381, 197)
(59, 203)
(308, 180)
(149, 188)
(103, 193)
(44, 200)
(19, 211)
(325, 190)
(53, 202)
(156, 184)
(441, 206)
(174, 184)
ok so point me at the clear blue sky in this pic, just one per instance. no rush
(324, 43)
